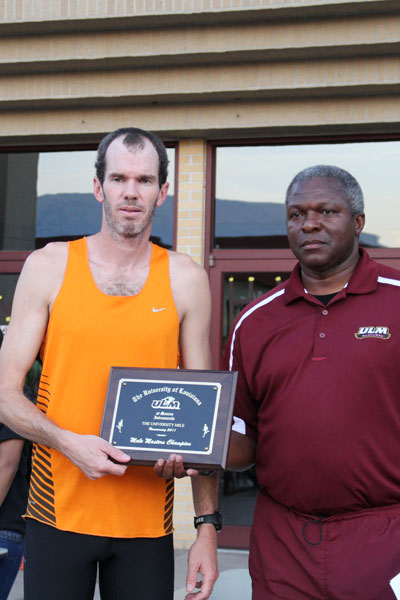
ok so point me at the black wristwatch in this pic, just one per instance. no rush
(215, 519)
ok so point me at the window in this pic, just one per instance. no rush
(251, 182)
(49, 196)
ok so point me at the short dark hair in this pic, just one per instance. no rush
(350, 185)
(132, 137)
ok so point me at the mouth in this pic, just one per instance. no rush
(312, 244)
(130, 210)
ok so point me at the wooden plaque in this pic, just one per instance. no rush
(152, 413)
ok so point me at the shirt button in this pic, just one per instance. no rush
(324, 312)
(322, 335)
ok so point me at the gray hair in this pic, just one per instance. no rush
(350, 185)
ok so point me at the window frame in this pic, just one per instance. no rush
(212, 146)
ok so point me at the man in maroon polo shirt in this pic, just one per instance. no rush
(318, 406)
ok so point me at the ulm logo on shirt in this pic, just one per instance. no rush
(373, 332)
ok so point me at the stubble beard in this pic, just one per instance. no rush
(127, 229)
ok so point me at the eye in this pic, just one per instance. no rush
(116, 179)
(295, 214)
(146, 180)
(327, 211)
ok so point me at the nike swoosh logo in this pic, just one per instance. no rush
(158, 309)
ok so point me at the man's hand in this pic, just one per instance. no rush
(173, 467)
(92, 455)
(202, 560)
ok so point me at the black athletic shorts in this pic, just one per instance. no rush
(63, 565)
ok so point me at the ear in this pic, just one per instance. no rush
(98, 190)
(359, 222)
(162, 194)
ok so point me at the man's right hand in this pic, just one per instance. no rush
(92, 455)
(173, 467)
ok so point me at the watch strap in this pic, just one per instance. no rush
(214, 518)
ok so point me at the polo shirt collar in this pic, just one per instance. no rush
(364, 280)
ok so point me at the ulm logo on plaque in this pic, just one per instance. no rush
(169, 403)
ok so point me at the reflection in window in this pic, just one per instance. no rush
(49, 196)
(251, 183)
(66, 207)
(239, 289)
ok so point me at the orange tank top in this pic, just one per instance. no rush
(88, 332)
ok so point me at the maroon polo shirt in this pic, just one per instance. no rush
(319, 389)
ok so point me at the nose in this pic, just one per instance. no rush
(311, 221)
(131, 189)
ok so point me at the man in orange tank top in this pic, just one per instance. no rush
(84, 303)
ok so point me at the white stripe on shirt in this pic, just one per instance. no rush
(388, 281)
(247, 314)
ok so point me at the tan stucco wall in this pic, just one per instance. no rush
(203, 68)
(41, 10)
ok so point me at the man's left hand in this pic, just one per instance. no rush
(173, 467)
(202, 560)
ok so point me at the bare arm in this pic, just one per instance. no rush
(194, 303)
(20, 347)
(241, 453)
(10, 453)
(36, 290)
(191, 292)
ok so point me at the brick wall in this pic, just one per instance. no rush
(191, 198)
(190, 236)
(185, 533)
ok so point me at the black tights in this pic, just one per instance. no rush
(63, 565)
